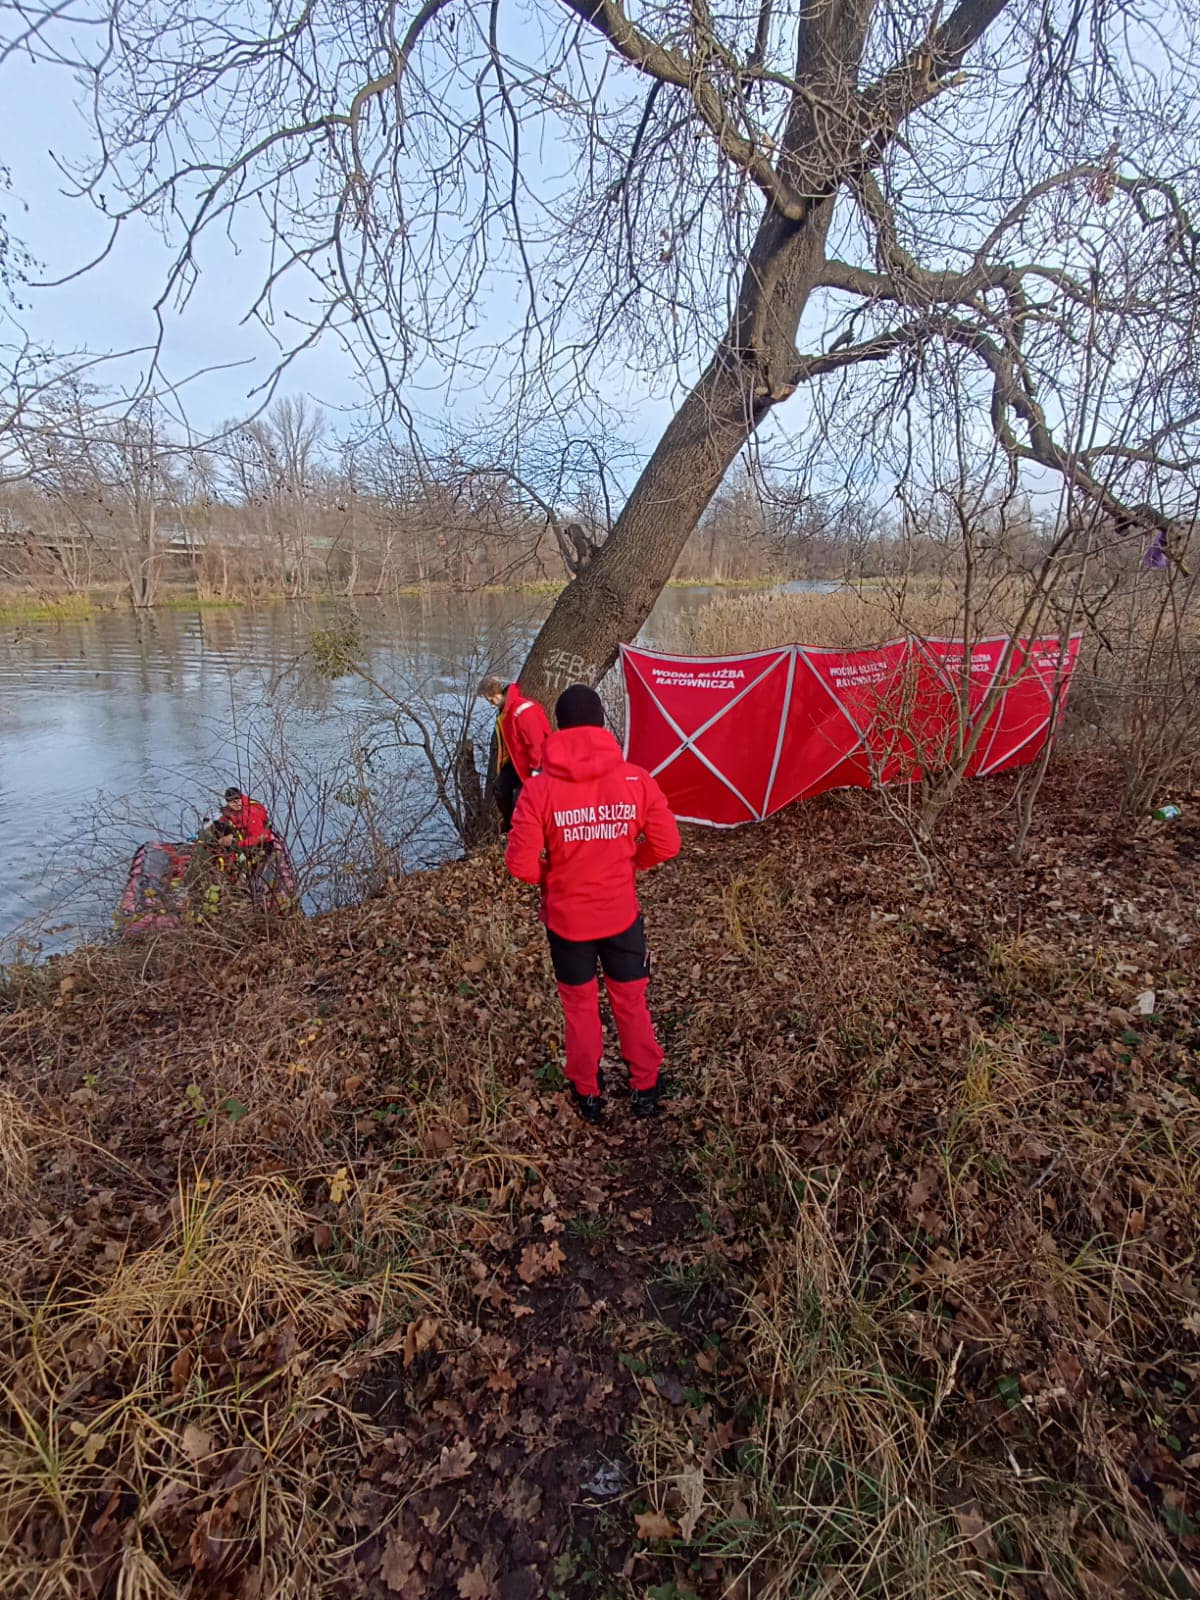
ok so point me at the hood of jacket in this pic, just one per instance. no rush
(578, 755)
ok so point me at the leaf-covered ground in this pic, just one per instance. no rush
(311, 1284)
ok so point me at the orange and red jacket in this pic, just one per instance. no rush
(521, 729)
(249, 820)
(584, 826)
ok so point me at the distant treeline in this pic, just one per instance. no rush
(106, 499)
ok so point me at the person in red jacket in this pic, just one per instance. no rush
(585, 825)
(521, 729)
(248, 819)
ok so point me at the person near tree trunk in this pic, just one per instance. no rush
(521, 729)
(584, 826)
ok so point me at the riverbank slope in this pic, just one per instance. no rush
(313, 1286)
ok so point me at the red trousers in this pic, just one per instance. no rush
(585, 1036)
(625, 965)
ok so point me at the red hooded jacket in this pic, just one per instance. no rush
(249, 819)
(583, 827)
(523, 728)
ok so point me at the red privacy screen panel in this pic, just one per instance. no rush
(709, 730)
(733, 738)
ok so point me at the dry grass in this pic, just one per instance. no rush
(18, 1141)
(190, 1375)
(844, 618)
(968, 1349)
(198, 1267)
(949, 1182)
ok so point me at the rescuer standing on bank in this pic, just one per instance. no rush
(521, 729)
(584, 826)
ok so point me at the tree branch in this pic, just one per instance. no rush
(670, 67)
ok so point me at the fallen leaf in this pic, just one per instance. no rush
(475, 1584)
(538, 1262)
(399, 1567)
(455, 1461)
(977, 1532)
(170, 1495)
(339, 1186)
(923, 1190)
(554, 1257)
(197, 1442)
(691, 1492)
(1070, 1371)
(92, 1443)
(418, 1337)
(211, 1542)
(670, 1388)
(1143, 1006)
(522, 1500)
(653, 1525)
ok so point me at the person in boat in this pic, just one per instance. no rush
(521, 729)
(249, 820)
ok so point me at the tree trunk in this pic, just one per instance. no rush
(753, 368)
(474, 829)
(607, 603)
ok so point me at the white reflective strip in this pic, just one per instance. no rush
(707, 822)
(1043, 727)
(784, 712)
(986, 763)
(524, 706)
(751, 814)
(665, 655)
(689, 740)
(820, 778)
(998, 703)
(623, 657)
(938, 668)
(1007, 755)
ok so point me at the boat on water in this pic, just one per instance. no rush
(175, 882)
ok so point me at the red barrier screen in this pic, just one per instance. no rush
(733, 738)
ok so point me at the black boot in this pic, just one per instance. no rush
(646, 1102)
(589, 1106)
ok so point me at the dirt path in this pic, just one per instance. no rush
(596, 1303)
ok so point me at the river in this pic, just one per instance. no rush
(128, 726)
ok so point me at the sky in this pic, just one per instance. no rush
(109, 308)
(218, 359)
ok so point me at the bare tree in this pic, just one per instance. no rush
(111, 471)
(274, 464)
(437, 723)
(789, 193)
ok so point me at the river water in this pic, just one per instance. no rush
(127, 727)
